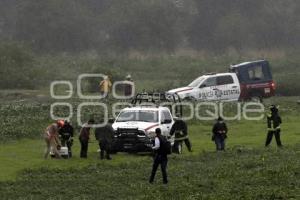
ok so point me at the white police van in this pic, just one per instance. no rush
(245, 81)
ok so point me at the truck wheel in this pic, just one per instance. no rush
(257, 98)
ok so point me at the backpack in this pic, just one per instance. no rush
(165, 146)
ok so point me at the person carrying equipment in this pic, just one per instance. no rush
(52, 139)
(219, 134)
(66, 135)
(181, 134)
(273, 122)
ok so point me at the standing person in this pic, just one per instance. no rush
(105, 86)
(66, 135)
(105, 136)
(273, 122)
(180, 130)
(52, 139)
(219, 134)
(84, 137)
(160, 157)
(128, 87)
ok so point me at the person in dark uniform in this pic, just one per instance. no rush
(180, 130)
(66, 136)
(160, 157)
(219, 134)
(105, 136)
(84, 137)
(273, 122)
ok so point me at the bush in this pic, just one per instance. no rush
(17, 66)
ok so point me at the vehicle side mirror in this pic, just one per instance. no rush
(111, 120)
(166, 121)
(202, 86)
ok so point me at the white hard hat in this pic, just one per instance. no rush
(128, 76)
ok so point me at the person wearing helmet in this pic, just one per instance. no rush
(52, 139)
(128, 86)
(219, 134)
(273, 123)
(105, 86)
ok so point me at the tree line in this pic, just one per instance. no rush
(120, 26)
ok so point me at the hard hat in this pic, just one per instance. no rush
(60, 123)
(128, 76)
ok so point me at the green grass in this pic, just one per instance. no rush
(236, 174)
(245, 171)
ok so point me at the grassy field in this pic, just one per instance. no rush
(245, 171)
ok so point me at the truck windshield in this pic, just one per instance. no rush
(196, 82)
(143, 116)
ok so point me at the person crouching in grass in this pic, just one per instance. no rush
(51, 138)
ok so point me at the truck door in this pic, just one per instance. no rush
(227, 88)
(166, 122)
(207, 89)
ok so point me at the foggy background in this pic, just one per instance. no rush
(54, 39)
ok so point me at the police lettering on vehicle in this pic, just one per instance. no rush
(218, 93)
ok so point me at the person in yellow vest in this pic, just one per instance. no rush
(105, 86)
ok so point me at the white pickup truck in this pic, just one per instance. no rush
(135, 125)
(245, 81)
(222, 86)
(135, 128)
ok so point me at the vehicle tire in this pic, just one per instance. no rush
(256, 98)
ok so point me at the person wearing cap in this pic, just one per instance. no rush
(128, 86)
(84, 137)
(105, 86)
(273, 123)
(66, 135)
(105, 135)
(160, 157)
(219, 132)
(51, 138)
(179, 128)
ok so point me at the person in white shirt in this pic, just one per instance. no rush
(160, 157)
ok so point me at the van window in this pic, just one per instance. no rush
(223, 80)
(256, 73)
(209, 82)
